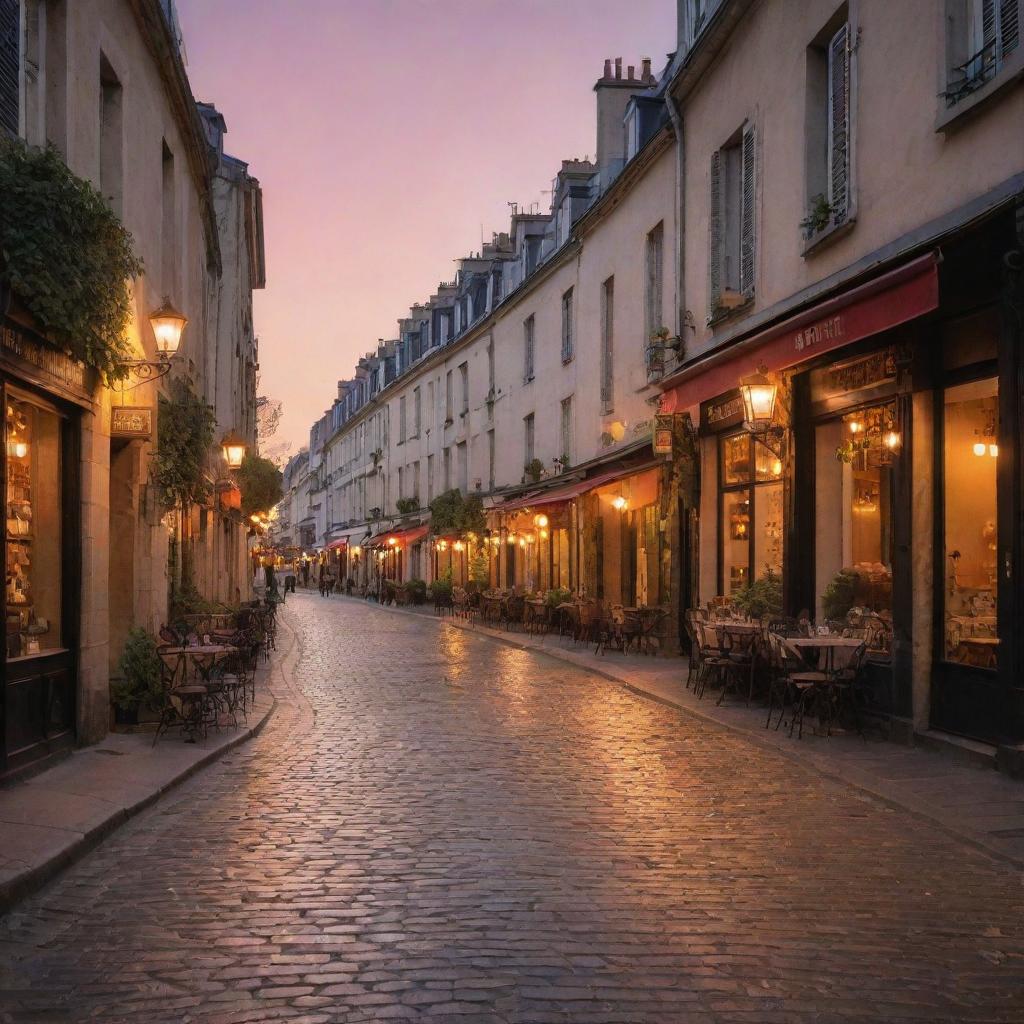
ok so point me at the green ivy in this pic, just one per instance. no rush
(185, 428)
(260, 483)
(450, 511)
(66, 256)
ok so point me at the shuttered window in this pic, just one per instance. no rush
(839, 123)
(747, 219)
(607, 344)
(655, 267)
(10, 63)
(567, 327)
(528, 349)
(716, 234)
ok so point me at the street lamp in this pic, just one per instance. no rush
(758, 394)
(168, 325)
(234, 448)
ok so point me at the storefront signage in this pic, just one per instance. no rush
(662, 437)
(830, 331)
(45, 365)
(131, 421)
(726, 411)
(877, 368)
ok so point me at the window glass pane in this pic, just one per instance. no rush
(735, 540)
(768, 530)
(767, 465)
(736, 459)
(970, 456)
(33, 529)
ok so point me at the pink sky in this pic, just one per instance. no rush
(386, 135)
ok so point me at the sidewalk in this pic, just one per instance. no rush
(52, 819)
(969, 800)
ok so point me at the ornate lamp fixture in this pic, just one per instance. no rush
(234, 448)
(760, 397)
(168, 323)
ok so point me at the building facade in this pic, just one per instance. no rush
(104, 83)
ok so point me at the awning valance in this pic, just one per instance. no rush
(886, 301)
(410, 535)
(558, 495)
(337, 545)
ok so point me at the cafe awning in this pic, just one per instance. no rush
(877, 305)
(337, 545)
(569, 491)
(410, 535)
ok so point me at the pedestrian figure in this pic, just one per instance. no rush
(289, 584)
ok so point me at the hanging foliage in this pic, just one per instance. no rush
(260, 483)
(452, 512)
(185, 428)
(66, 256)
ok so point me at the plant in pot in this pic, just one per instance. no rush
(840, 595)
(417, 590)
(139, 685)
(761, 597)
(534, 470)
(556, 596)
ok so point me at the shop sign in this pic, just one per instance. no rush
(877, 368)
(830, 331)
(722, 412)
(662, 436)
(46, 365)
(131, 421)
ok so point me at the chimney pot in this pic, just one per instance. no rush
(618, 67)
(630, 72)
(645, 73)
(608, 68)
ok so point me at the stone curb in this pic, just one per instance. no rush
(34, 878)
(850, 779)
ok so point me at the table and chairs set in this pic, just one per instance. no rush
(583, 620)
(208, 668)
(798, 669)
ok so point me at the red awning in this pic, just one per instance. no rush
(894, 298)
(569, 491)
(407, 536)
(336, 545)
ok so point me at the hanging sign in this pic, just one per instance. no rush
(131, 421)
(661, 438)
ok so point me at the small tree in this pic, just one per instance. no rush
(260, 483)
(185, 428)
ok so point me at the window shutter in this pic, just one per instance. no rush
(1009, 26)
(715, 239)
(10, 63)
(747, 232)
(839, 123)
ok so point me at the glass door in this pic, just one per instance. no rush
(966, 693)
(39, 662)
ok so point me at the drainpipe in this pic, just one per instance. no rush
(680, 211)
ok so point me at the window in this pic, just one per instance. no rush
(827, 137)
(566, 452)
(401, 483)
(111, 137)
(490, 460)
(654, 315)
(462, 466)
(970, 454)
(415, 493)
(430, 404)
(401, 419)
(732, 225)
(447, 469)
(750, 512)
(417, 412)
(430, 479)
(10, 65)
(464, 387)
(567, 327)
(34, 528)
(448, 398)
(528, 346)
(607, 344)
(168, 229)
(984, 35)
(528, 438)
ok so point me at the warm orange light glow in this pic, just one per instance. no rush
(392, 541)
(979, 448)
(619, 503)
(234, 448)
(168, 325)
(540, 519)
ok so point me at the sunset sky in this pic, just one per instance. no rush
(388, 136)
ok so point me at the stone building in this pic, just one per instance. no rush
(105, 84)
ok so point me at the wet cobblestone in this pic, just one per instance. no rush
(437, 827)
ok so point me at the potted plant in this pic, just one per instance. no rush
(840, 595)
(556, 596)
(140, 682)
(417, 590)
(761, 597)
(534, 470)
(819, 216)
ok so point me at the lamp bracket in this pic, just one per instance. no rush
(144, 371)
(774, 439)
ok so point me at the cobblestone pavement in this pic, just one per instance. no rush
(438, 827)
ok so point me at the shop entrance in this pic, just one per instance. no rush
(40, 456)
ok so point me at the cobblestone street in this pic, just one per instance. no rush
(437, 826)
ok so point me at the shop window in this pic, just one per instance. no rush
(751, 512)
(34, 536)
(970, 456)
(854, 513)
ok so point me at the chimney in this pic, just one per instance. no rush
(630, 71)
(613, 95)
(645, 72)
(608, 68)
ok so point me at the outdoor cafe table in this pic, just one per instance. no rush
(533, 612)
(491, 606)
(195, 654)
(828, 644)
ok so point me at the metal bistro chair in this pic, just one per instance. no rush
(713, 661)
(740, 648)
(781, 662)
